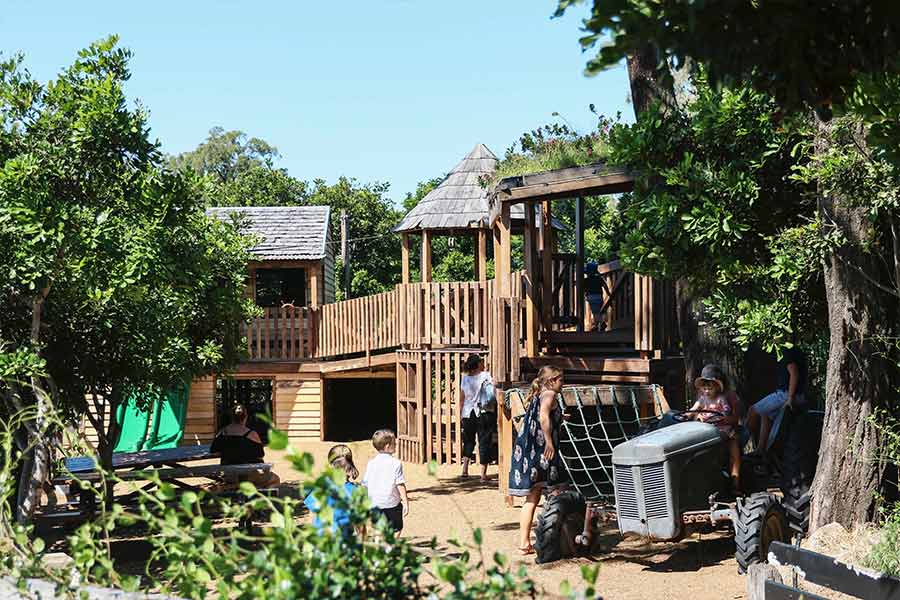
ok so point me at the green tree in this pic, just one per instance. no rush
(374, 248)
(241, 171)
(114, 277)
(225, 155)
(797, 54)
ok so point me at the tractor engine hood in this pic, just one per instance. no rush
(662, 444)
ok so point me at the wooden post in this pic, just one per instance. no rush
(547, 298)
(314, 285)
(502, 260)
(426, 256)
(531, 316)
(481, 255)
(579, 263)
(345, 251)
(404, 256)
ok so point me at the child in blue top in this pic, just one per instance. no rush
(341, 518)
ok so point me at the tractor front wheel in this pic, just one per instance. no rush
(558, 524)
(761, 521)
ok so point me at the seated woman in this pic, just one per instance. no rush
(237, 444)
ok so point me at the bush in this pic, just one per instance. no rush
(196, 549)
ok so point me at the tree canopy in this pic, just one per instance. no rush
(115, 277)
(241, 171)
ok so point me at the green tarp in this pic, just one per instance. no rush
(159, 425)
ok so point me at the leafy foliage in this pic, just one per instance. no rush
(715, 203)
(552, 146)
(113, 275)
(196, 549)
(791, 50)
(227, 155)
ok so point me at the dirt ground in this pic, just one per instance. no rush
(445, 506)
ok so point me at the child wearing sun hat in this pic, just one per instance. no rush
(713, 406)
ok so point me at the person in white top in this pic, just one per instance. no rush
(384, 481)
(477, 419)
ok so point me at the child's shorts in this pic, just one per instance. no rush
(394, 516)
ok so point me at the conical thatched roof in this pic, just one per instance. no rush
(459, 202)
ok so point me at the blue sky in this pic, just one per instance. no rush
(388, 90)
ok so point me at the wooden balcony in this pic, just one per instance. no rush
(414, 315)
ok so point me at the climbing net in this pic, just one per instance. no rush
(597, 419)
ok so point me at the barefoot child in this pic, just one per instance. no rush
(711, 397)
(384, 481)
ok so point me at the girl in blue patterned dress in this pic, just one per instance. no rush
(535, 461)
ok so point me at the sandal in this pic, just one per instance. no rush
(526, 551)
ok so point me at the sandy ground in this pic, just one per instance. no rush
(445, 506)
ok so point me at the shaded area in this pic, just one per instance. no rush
(356, 408)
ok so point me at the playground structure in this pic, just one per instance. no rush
(413, 338)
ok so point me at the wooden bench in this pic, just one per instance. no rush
(173, 473)
(85, 499)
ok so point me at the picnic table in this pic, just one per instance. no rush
(169, 465)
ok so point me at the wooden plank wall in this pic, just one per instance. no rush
(298, 405)
(655, 320)
(200, 420)
(506, 339)
(87, 429)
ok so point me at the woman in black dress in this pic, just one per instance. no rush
(535, 461)
(237, 444)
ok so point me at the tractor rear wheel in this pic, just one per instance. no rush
(561, 520)
(761, 521)
(798, 466)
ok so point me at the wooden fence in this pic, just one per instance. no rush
(282, 333)
(445, 314)
(829, 573)
(429, 419)
(415, 315)
(358, 325)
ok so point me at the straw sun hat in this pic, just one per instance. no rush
(711, 373)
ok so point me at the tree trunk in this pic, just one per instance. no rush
(850, 469)
(35, 469)
(649, 83)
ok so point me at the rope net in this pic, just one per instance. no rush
(597, 419)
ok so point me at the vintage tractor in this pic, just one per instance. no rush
(665, 477)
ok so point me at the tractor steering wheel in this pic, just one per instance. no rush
(681, 417)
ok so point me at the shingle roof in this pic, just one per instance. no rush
(288, 232)
(459, 202)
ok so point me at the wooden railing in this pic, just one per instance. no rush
(617, 295)
(359, 325)
(444, 314)
(282, 333)
(415, 315)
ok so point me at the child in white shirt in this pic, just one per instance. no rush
(384, 481)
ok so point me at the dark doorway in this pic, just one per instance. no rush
(356, 408)
(254, 394)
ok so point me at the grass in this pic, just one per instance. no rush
(547, 148)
